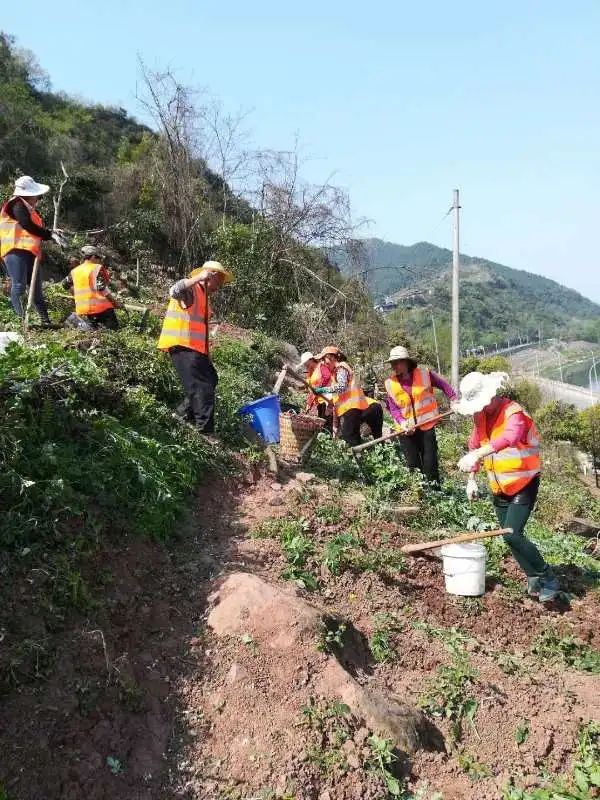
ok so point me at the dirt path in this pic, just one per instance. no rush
(127, 700)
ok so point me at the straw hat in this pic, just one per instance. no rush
(400, 353)
(330, 350)
(305, 358)
(477, 390)
(213, 266)
(25, 186)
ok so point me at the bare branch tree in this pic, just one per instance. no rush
(172, 108)
(226, 150)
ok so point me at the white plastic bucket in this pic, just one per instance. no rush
(464, 569)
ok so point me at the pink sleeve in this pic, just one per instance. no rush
(474, 442)
(516, 428)
(442, 385)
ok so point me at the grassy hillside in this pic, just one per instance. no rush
(497, 301)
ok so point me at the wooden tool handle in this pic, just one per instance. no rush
(360, 447)
(462, 537)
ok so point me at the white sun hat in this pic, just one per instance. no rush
(25, 186)
(400, 353)
(305, 358)
(477, 390)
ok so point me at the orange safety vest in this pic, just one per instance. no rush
(513, 468)
(420, 404)
(315, 379)
(353, 397)
(88, 300)
(187, 327)
(15, 237)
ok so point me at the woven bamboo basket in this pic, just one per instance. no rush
(295, 430)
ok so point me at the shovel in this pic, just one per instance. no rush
(473, 536)
(360, 447)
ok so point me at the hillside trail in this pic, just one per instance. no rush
(144, 701)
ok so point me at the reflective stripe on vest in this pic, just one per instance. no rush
(316, 380)
(15, 237)
(186, 327)
(420, 405)
(511, 469)
(88, 300)
(352, 397)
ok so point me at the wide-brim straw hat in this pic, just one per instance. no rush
(400, 353)
(213, 266)
(304, 359)
(477, 390)
(330, 350)
(25, 186)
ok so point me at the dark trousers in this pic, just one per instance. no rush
(513, 512)
(421, 452)
(322, 412)
(199, 379)
(351, 421)
(106, 319)
(19, 265)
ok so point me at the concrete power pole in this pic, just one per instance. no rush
(455, 305)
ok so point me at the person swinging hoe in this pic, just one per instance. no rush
(506, 440)
(185, 336)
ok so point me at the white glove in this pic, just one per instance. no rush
(57, 236)
(472, 489)
(469, 461)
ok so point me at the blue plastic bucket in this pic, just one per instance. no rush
(264, 417)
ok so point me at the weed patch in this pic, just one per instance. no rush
(583, 782)
(566, 651)
(383, 642)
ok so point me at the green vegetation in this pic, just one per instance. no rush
(331, 636)
(566, 651)
(474, 769)
(447, 694)
(583, 782)
(383, 642)
(522, 301)
(335, 726)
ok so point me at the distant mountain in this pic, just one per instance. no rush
(496, 301)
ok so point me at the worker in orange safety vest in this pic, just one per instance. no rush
(185, 336)
(318, 375)
(412, 404)
(89, 282)
(22, 232)
(506, 440)
(350, 404)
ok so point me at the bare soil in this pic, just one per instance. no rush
(135, 698)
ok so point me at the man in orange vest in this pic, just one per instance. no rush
(412, 404)
(350, 404)
(89, 283)
(505, 438)
(185, 337)
(22, 232)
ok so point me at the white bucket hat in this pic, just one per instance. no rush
(477, 390)
(25, 186)
(304, 359)
(400, 354)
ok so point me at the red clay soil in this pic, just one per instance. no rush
(135, 699)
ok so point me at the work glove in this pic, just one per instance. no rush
(468, 462)
(472, 489)
(58, 238)
(321, 390)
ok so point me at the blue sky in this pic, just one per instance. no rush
(403, 101)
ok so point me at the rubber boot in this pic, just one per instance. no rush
(549, 586)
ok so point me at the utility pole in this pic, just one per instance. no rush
(455, 287)
(435, 341)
